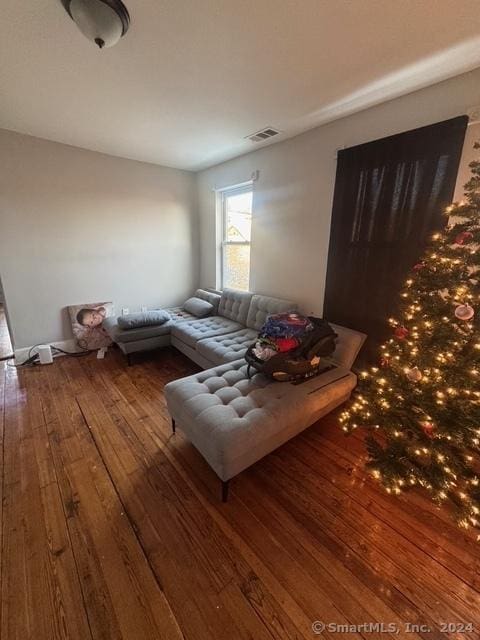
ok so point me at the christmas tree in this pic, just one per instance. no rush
(421, 405)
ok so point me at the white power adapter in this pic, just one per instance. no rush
(45, 354)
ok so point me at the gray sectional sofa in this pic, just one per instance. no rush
(223, 336)
(226, 336)
(233, 419)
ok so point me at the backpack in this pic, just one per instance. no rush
(302, 362)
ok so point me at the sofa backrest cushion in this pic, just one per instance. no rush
(234, 305)
(349, 343)
(263, 306)
(209, 296)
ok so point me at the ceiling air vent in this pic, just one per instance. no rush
(262, 135)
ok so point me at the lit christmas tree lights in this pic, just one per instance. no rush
(422, 404)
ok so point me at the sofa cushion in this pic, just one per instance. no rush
(234, 421)
(209, 296)
(263, 306)
(200, 308)
(191, 331)
(178, 314)
(349, 343)
(234, 305)
(143, 319)
(118, 334)
(228, 347)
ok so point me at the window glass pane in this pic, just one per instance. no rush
(238, 217)
(236, 266)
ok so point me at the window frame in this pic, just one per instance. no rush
(225, 194)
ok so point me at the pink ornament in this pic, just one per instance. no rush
(419, 266)
(401, 333)
(464, 237)
(428, 428)
(384, 362)
(415, 375)
(464, 312)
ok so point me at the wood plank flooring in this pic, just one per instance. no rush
(112, 527)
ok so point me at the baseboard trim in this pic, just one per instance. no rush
(67, 345)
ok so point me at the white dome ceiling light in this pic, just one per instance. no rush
(103, 22)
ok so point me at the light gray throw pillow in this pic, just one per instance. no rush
(143, 319)
(198, 307)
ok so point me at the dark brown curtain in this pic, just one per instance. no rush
(389, 196)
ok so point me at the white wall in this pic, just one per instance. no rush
(469, 154)
(78, 226)
(293, 196)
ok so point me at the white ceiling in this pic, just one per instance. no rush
(192, 78)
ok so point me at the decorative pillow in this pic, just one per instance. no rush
(198, 307)
(151, 318)
(209, 296)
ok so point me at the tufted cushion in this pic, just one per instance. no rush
(191, 331)
(235, 305)
(263, 306)
(227, 347)
(234, 421)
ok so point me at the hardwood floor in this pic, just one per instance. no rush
(112, 527)
(5, 344)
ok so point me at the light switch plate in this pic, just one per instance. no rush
(125, 311)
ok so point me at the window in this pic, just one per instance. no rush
(236, 236)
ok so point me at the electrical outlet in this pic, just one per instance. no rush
(125, 311)
(144, 308)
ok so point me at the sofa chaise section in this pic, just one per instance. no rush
(153, 337)
(234, 420)
(141, 339)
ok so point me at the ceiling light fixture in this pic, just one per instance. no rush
(103, 22)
